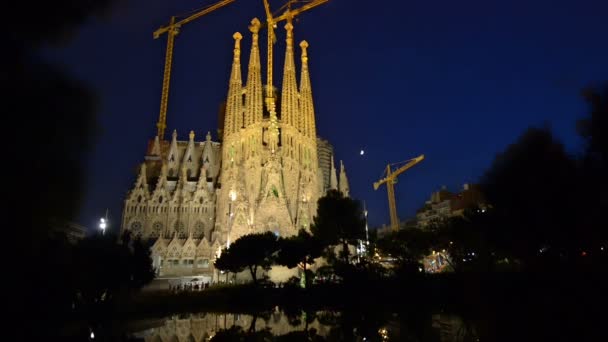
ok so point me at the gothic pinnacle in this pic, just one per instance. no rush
(304, 46)
(255, 28)
(237, 44)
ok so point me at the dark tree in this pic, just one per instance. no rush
(106, 269)
(250, 251)
(301, 249)
(594, 128)
(227, 262)
(407, 246)
(594, 168)
(467, 242)
(52, 116)
(532, 188)
(339, 220)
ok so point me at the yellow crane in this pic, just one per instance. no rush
(390, 180)
(172, 29)
(271, 22)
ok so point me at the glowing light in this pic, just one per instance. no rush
(362, 152)
(103, 224)
(92, 335)
(232, 195)
(584, 253)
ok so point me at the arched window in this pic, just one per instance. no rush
(199, 230)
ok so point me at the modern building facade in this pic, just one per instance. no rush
(444, 204)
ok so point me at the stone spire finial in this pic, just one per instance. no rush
(254, 104)
(289, 29)
(255, 28)
(237, 44)
(304, 46)
(208, 137)
(192, 135)
(232, 120)
(174, 135)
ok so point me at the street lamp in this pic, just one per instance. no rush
(102, 225)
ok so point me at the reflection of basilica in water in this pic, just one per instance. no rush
(276, 325)
(204, 326)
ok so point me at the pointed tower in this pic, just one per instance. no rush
(253, 97)
(142, 181)
(155, 147)
(234, 104)
(306, 103)
(289, 93)
(173, 157)
(344, 188)
(333, 179)
(189, 160)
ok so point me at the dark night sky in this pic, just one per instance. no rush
(454, 80)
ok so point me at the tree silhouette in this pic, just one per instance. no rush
(532, 188)
(249, 251)
(407, 246)
(594, 167)
(301, 249)
(339, 220)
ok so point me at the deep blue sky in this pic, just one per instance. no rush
(454, 80)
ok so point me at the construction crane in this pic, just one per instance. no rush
(172, 29)
(390, 180)
(271, 22)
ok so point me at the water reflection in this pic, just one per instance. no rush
(280, 325)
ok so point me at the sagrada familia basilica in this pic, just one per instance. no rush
(192, 198)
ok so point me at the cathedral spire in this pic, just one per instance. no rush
(234, 112)
(344, 188)
(142, 181)
(253, 98)
(289, 93)
(172, 157)
(306, 103)
(333, 180)
(188, 158)
(155, 147)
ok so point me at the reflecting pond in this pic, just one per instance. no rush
(279, 325)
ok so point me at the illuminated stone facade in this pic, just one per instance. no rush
(193, 197)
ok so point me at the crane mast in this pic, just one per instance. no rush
(172, 30)
(390, 180)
